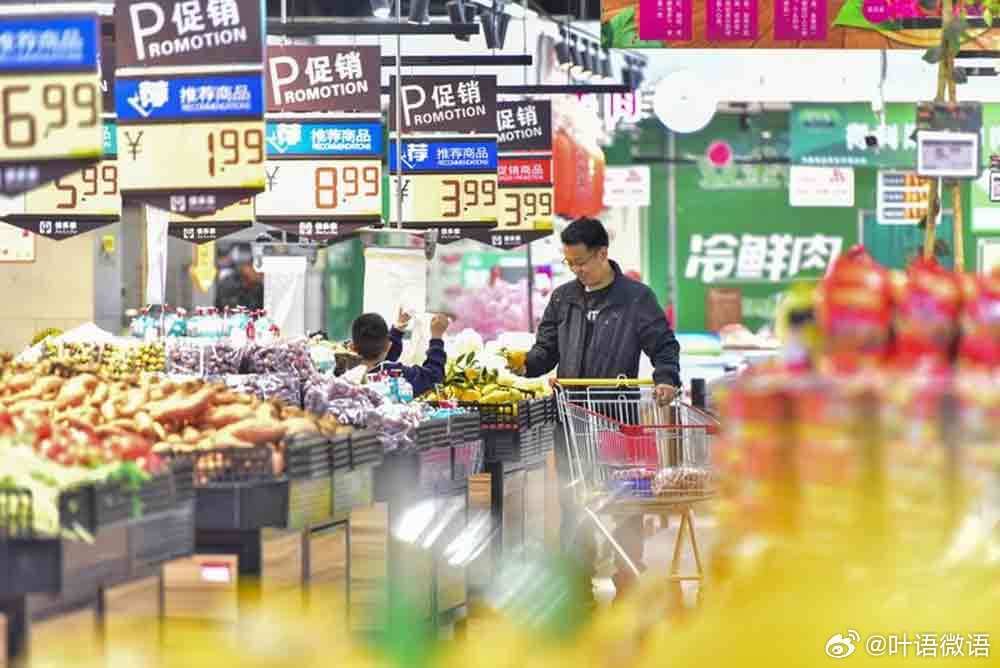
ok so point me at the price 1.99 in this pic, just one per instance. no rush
(524, 207)
(45, 116)
(228, 147)
(333, 185)
(462, 195)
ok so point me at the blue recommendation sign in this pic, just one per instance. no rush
(189, 98)
(326, 139)
(39, 43)
(445, 155)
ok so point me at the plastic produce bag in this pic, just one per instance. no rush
(284, 387)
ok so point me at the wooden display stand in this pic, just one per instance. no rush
(327, 571)
(132, 613)
(369, 564)
(75, 635)
(203, 587)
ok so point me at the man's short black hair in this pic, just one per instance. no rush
(587, 231)
(369, 333)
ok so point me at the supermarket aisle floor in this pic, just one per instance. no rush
(659, 552)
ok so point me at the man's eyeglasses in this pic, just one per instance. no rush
(579, 264)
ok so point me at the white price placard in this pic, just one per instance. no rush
(342, 189)
(820, 186)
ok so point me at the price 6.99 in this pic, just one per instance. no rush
(31, 111)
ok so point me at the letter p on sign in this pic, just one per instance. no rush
(410, 103)
(139, 33)
(275, 63)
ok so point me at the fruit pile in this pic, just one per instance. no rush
(170, 415)
(113, 361)
(468, 380)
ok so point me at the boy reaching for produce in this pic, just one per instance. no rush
(381, 347)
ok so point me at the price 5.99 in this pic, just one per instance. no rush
(40, 114)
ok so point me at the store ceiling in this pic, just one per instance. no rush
(589, 9)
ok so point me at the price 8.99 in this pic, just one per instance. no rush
(333, 185)
(523, 207)
(38, 113)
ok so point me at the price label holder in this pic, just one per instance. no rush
(902, 198)
(204, 229)
(323, 176)
(527, 199)
(447, 182)
(50, 96)
(75, 203)
(497, 238)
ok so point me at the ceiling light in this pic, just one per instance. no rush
(458, 13)
(563, 56)
(419, 11)
(380, 9)
(577, 57)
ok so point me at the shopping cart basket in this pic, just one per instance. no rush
(630, 455)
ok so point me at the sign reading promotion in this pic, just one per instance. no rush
(323, 78)
(525, 178)
(191, 140)
(446, 104)
(449, 170)
(50, 98)
(188, 32)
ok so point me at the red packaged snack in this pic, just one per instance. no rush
(928, 302)
(855, 312)
(979, 348)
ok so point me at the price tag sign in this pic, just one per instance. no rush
(201, 230)
(75, 203)
(323, 178)
(447, 181)
(446, 104)
(192, 168)
(434, 200)
(902, 198)
(527, 200)
(50, 98)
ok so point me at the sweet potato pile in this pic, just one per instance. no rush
(176, 416)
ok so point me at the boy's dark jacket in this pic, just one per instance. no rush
(424, 377)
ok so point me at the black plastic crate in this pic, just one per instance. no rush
(365, 448)
(163, 537)
(30, 566)
(308, 456)
(352, 488)
(237, 489)
(465, 427)
(397, 479)
(17, 514)
(433, 434)
(96, 505)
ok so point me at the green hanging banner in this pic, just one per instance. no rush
(851, 135)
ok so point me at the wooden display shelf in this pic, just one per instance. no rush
(66, 637)
(327, 571)
(202, 587)
(132, 613)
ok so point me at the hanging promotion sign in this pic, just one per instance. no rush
(192, 139)
(446, 181)
(323, 78)
(203, 229)
(324, 177)
(446, 104)
(524, 176)
(155, 33)
(50, 100)
(106, 68)
(75, 203)
(788, 24)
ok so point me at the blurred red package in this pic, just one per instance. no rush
(979, 347)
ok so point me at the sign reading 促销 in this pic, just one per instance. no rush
(324, 176)
(323, 78)
(75, 203)
(446, 104)
(50, 97)
(158, 33)
(191, 140)
(524, 173)
(449, 166)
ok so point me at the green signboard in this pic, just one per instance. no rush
(852, 135)
(735, 228)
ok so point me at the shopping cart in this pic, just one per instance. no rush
(628, 455)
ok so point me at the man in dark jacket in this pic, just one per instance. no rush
(596, 327)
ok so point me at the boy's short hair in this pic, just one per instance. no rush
(369, 334)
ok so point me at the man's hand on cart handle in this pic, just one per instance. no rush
(665, 394)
